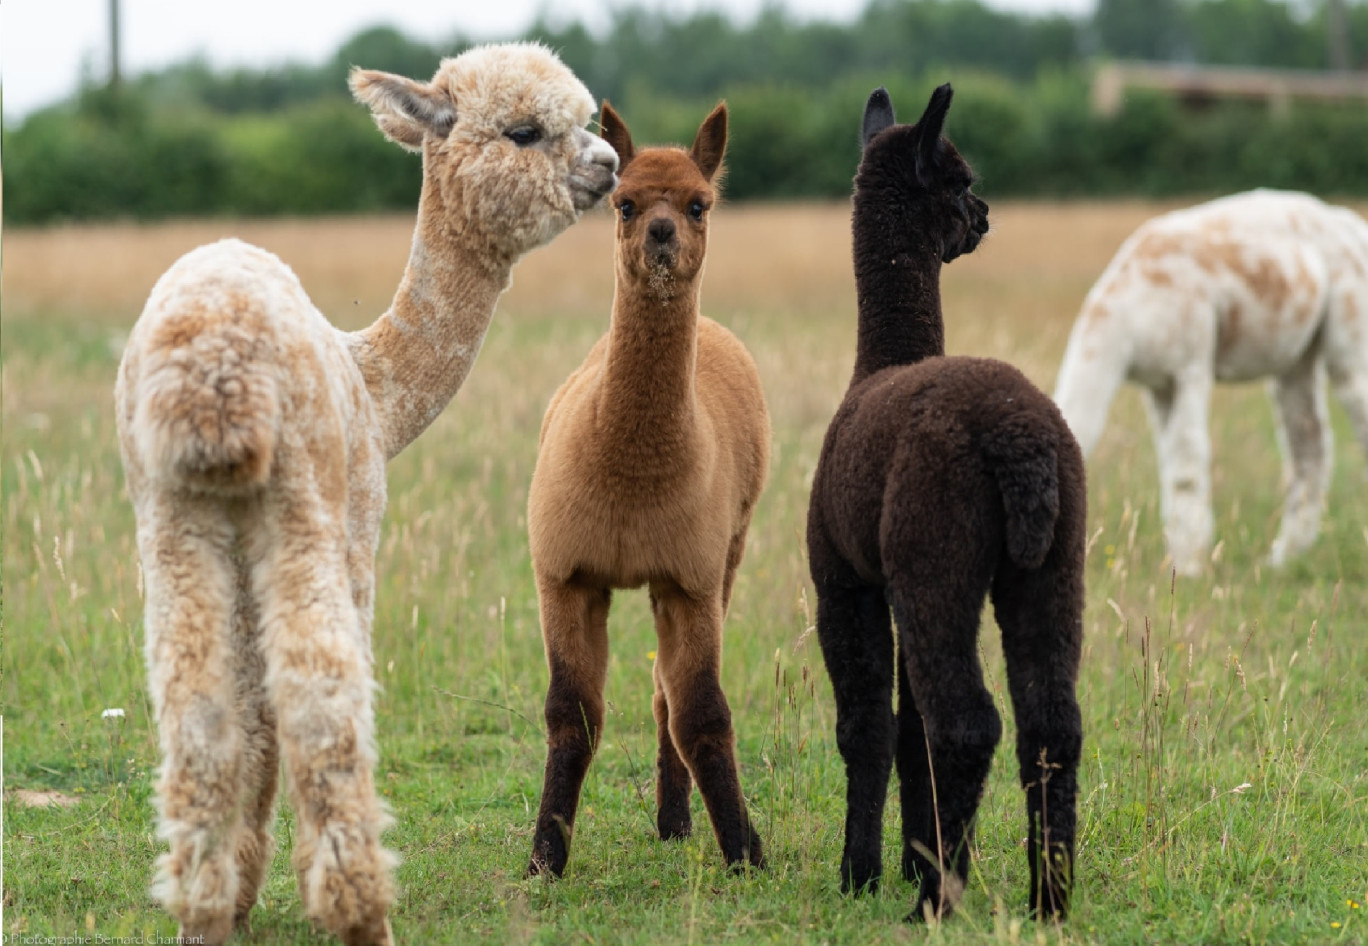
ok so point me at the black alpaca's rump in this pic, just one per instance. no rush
(943, 481)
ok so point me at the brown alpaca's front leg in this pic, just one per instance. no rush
(575, 630)
(689, 657)
(674, 785)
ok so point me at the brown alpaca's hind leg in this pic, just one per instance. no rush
(674, 785)
(1041, 616)
(689, 657)
(575, 629)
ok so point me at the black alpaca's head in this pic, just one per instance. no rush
(918, 175)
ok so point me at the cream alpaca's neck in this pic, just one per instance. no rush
(646, 405)
(416, 356)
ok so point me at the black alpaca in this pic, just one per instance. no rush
(942, 480)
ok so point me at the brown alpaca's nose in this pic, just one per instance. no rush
(662, 229)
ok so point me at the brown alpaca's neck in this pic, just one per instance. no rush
(647, 408)
(416, 356)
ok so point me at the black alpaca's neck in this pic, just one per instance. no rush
(897, 285)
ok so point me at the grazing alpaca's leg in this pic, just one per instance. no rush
(1345, 344)
(914, 779)
(689, 656)
(1178, 416)
(575, 625)
(857, 646)
(674, 785)
(261, 753)
(1040, 614)
(1305, 436)
(185, 545)
(319, 680)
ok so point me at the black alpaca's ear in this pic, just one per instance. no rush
(878, 115)
(613, 130)
(711, 142)
(929, 128)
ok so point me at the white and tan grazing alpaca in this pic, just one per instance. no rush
(1265, 284)
(652, 456)
(254, 437)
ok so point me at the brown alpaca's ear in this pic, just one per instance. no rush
(711, 142)
(613, 130)
(404, 109)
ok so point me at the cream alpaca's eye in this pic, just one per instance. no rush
(696, 210)
(627, 209)
(524, 135)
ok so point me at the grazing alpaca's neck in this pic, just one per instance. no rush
(647, 403)
(897, 284)
(416, 356)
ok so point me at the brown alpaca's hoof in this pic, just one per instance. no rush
(370, 935)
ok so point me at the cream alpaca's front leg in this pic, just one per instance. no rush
(1178, 416)
(1306, 439)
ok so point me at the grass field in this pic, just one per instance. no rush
(1225, 780)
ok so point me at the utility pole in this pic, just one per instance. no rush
(114, 72)
(1337, 28)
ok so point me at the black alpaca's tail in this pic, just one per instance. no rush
(1021, 453)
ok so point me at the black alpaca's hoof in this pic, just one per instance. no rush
(858, 880)
(938, 898)
(673, 826)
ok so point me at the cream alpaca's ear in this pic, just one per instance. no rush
(711, 142)
(404, 109)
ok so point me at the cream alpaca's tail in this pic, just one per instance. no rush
(208, 413)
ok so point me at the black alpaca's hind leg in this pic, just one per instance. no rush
(1041, 616)
(914, 779)
(857, 644)
(938, 631)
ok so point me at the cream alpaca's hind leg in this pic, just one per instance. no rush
(1178, 416)
(1304, 434)
(185, 548)
(261, 754)
(318, 678)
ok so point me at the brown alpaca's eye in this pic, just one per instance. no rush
(627, 209)
(524, 135)
(696, 210)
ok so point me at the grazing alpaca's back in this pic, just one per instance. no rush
(942, 480)
(254, 437)
(653, 454)
(1266, 284)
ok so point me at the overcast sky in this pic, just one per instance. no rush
(45, 44)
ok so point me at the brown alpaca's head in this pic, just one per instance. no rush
(913, 173)
(662, 203)
(501, 131)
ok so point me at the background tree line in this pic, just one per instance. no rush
(194, 140)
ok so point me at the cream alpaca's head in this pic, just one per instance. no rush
(501, 131)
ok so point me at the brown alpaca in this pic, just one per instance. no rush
(652, 456)
(254, 438)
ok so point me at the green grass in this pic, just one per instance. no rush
(1224, 792)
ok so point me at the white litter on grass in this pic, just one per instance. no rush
(114, 713)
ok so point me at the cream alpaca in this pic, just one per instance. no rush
(254, 438)
(652, 456)
(1262, 284)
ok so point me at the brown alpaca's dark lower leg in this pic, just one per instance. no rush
(690, 633)
(674, 785)
(857, 645)
(1040, 614)
(939, 635)
(914, 780)
(574, 622)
